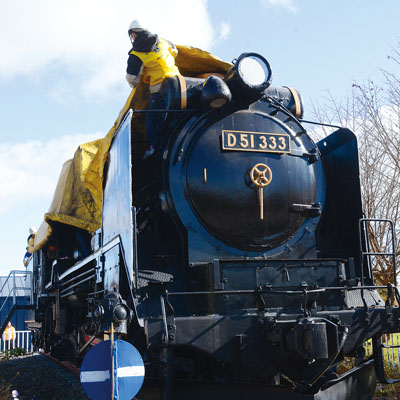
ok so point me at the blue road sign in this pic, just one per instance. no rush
(112, 371)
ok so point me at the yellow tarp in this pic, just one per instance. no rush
(42, 236)
(78, 197)
(192, 61)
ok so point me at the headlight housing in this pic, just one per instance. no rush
(250, 76)
(215, 92)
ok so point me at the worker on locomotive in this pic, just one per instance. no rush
(151, 59)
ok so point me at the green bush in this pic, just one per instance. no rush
(17, 352)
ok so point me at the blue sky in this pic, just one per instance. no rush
(62, 73)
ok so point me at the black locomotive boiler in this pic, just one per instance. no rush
(234, 257)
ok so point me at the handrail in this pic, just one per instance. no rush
(363, 234)
(14, 308)
(23, 339)
(14, 274)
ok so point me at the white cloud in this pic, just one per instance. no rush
(224, 31)
(62, 93)
(29, 171)
(87, 39)
(288, 4)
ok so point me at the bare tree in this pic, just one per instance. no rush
(373, 113)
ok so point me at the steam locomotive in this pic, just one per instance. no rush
(235, 257)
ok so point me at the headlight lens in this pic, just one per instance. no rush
(254, 71)
(98, 313)
(121, 313)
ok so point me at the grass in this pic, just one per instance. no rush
(389, 391)
(392, 370)
(5, 389)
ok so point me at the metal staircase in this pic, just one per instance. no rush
(16, 283)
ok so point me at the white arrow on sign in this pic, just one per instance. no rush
(126, 372)
(95, 376)
(101, 376)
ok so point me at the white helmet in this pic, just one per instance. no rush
(135, 26)
(32, 230)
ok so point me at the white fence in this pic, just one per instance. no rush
(23, 339)
(391, 355)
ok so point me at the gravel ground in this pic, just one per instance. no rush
(37, 378)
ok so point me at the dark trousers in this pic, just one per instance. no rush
(154, 121)
(9, 344)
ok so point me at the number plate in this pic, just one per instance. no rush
(256, 141)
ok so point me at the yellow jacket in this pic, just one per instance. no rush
(9, 333)
(159, 63)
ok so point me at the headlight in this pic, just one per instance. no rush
(250, 75)
(215, 92)
(121, 313)
(98, 313)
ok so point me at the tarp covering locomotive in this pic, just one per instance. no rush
(235, 257)
(78, 197)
